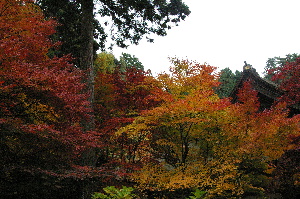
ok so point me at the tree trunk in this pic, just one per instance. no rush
(88, 157)
(86, 54)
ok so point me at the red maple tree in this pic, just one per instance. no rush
(289, 75)
(42, 102)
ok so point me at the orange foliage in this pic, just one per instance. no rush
(265, 133)
(199, 141)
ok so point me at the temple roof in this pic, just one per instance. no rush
(268, 91)
(262, 86)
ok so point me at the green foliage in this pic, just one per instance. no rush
(68, 14)
(198, 194)
(228, 80)
(128, 61)
(129, 21)
(114, 193)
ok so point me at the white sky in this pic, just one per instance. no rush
(225, 33)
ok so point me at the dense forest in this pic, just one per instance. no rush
(78, 122)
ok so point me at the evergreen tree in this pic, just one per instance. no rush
(128, 61)
(228, 80)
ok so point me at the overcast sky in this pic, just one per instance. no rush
(225, 33)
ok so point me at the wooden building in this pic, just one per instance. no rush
(268, 92)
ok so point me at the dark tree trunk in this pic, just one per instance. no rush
(86, 54)
(87, 8)
(86, 63)
(88, 157)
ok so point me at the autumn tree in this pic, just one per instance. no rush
(119, 97)
(289, 76)
(182, 131)
(264, 137)
(121, 88)
(198, 140)
(42, 103)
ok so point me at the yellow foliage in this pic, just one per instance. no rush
(202, 139)
(38, 112)
(216, 177)
(105, 62)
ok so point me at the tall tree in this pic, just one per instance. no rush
(68, 14)
(86, 52)
(131, 20)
